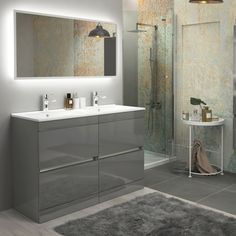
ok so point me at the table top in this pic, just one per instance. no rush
(219, 122)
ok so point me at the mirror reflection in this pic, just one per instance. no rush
(49, 46)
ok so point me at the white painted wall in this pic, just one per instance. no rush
(24, 95)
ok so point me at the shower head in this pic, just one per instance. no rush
(137, 30)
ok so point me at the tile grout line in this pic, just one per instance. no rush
(202, 182)
(198, 181)
(226, 188)
(164, 181)
(212, 194)
(197, 204)
(194, 180)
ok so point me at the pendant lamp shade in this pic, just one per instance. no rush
(206, 1)
(99, 32)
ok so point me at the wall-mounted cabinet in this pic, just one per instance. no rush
(66, 165)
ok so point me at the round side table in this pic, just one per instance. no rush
(190, 124)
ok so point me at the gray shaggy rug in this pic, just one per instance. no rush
(152, 215)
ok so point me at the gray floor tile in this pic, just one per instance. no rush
(172, 178)
(154, 176)
(186, 188)
(232, 188)
(173, 168)
(178, 169)
(224, 201)
(222, 181)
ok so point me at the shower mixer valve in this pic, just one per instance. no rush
(154, 105)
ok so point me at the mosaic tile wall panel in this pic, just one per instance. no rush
(204, 63)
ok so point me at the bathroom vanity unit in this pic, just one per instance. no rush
(68, 160)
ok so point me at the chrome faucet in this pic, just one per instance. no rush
(95, 98)
(46, 102)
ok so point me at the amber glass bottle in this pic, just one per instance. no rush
(68, 101)
(206, 114)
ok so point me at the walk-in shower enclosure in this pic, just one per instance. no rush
(148, 70)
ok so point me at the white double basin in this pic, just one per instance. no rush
(59, 114)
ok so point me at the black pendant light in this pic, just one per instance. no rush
(99, 32)
(206, 1)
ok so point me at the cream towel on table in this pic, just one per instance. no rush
(199, 159)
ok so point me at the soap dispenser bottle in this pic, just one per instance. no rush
(68, 101)
(76, 101)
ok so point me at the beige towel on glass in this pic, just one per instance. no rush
(199, 159)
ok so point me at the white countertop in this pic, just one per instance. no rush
(59, 114)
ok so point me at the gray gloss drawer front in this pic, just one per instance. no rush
(67, 185)
(67, 123)
(121, 116)
(70, 145)
(120, 170)
(120, 135)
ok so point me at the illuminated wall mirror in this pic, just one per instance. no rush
(48, 46)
